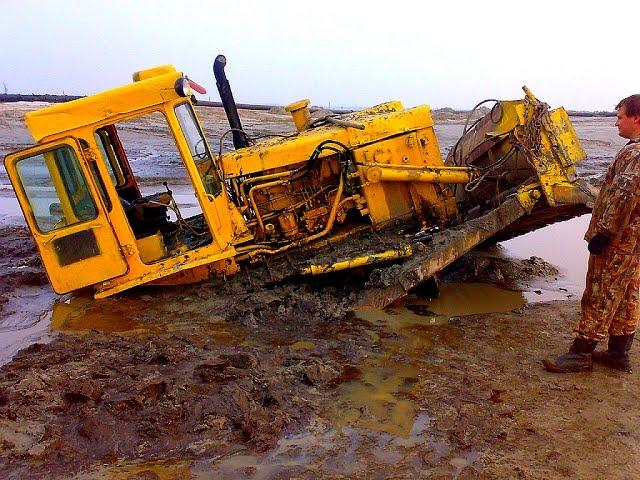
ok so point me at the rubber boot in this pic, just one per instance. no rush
(617, 354)
(577, 360)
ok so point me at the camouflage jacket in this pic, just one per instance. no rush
(616, 212)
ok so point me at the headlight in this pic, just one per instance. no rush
(187, 88)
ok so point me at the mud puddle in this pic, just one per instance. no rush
(405, 336)
(25, 296)
(563, 246)
(10, 213)
(374, 420)
(139, 471)
(25, 320)
(36, 315)
(339, 454)
(80, 314)
(457, 299)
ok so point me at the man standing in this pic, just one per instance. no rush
(610, 303)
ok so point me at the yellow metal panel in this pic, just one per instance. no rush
(151, 248)
(560, 150)
(403, 196)
(277, 153)
(105, 260)
(564, 140)
(147, 273)
(153, 72)
(56, 121)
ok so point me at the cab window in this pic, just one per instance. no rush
(56, 189)
(198, 148)
(95, 173)
(105, 144)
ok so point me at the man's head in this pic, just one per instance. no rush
(628, 121)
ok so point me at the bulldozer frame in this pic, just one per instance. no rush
(375, 177)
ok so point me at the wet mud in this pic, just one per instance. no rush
(25, 295)
(368, 395)
(239, 380)
(20, 263)
(142, 376)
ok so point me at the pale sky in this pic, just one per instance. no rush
(343, 53)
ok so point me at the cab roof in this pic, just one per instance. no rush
(150, 87)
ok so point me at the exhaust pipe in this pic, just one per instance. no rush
(229, 104)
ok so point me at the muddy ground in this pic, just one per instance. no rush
(238, 381)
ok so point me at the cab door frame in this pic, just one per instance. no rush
(81, 249)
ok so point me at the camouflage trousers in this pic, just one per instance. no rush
(610, 300)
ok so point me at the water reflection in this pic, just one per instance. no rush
(83, 313)
(381, 399)
(457, 299)
(562, 245)
(25, 319)
(128, 470)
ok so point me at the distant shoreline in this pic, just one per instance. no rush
(17, 97)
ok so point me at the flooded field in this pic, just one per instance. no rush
(233, 381)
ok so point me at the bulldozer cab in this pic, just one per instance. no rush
(67, 218)
(96, 200)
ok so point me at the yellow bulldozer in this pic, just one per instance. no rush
(343, 191)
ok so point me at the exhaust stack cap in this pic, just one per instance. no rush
(300, 112)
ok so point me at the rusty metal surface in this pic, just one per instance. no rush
(447, 246)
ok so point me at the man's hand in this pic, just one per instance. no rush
(598, 243)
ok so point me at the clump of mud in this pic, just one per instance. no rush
(295, 307)
(488, 267)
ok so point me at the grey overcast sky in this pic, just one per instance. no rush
(343, 53)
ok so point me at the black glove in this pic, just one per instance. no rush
(598, 243)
